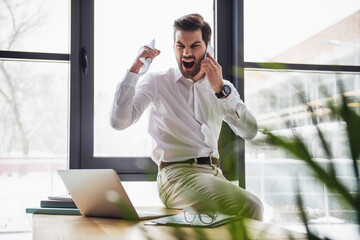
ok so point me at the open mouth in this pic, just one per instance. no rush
(188, 64)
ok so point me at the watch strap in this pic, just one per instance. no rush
(220, 94)
(223, 92)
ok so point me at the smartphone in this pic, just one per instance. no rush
(209, 49)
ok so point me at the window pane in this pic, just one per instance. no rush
(120, 30)
(34, 137)
(302, 31)
(277, 100)
(35, 25)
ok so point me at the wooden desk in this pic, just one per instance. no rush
(77, 227)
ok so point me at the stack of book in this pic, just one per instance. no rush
(62, 205)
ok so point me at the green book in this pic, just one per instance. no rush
(57, 204)
(56, 211)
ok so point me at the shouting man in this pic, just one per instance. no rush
(188, 104)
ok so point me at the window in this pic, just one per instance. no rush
(295, 60)
(115, 48)
(34, 97)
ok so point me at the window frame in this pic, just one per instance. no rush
(82, 96)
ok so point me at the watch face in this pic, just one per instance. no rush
(227, 89)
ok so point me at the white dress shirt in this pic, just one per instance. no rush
(185, 116)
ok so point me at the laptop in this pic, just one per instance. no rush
(99, 193)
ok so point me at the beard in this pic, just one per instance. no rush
(186, 72)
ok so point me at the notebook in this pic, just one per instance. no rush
(99, 193)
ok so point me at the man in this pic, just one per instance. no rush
(188, 104)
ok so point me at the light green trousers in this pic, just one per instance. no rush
(205, 187)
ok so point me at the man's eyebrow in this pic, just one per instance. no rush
(195, 43)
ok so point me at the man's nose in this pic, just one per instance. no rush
(187, 52)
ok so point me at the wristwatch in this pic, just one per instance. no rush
(225, 91)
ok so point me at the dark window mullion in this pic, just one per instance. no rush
(18, 55)
(230, 45)
(75, 89)
(87, 84)
(239, 80)
(294, 66)
(124, 164)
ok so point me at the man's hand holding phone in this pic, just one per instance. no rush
(213, 71)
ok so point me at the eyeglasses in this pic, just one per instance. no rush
(206, 217)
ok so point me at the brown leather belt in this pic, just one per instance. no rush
(200, 160)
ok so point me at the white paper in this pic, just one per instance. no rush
(144, 68)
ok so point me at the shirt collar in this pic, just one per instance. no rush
(177, 74)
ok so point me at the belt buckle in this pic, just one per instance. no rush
(196, 160)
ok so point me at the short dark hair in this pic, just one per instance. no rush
(193, 22)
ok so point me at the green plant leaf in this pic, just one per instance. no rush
(303, 215)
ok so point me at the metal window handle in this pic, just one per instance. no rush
(84, 61)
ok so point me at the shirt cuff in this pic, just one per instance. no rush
(130, 79)
(230, 102)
